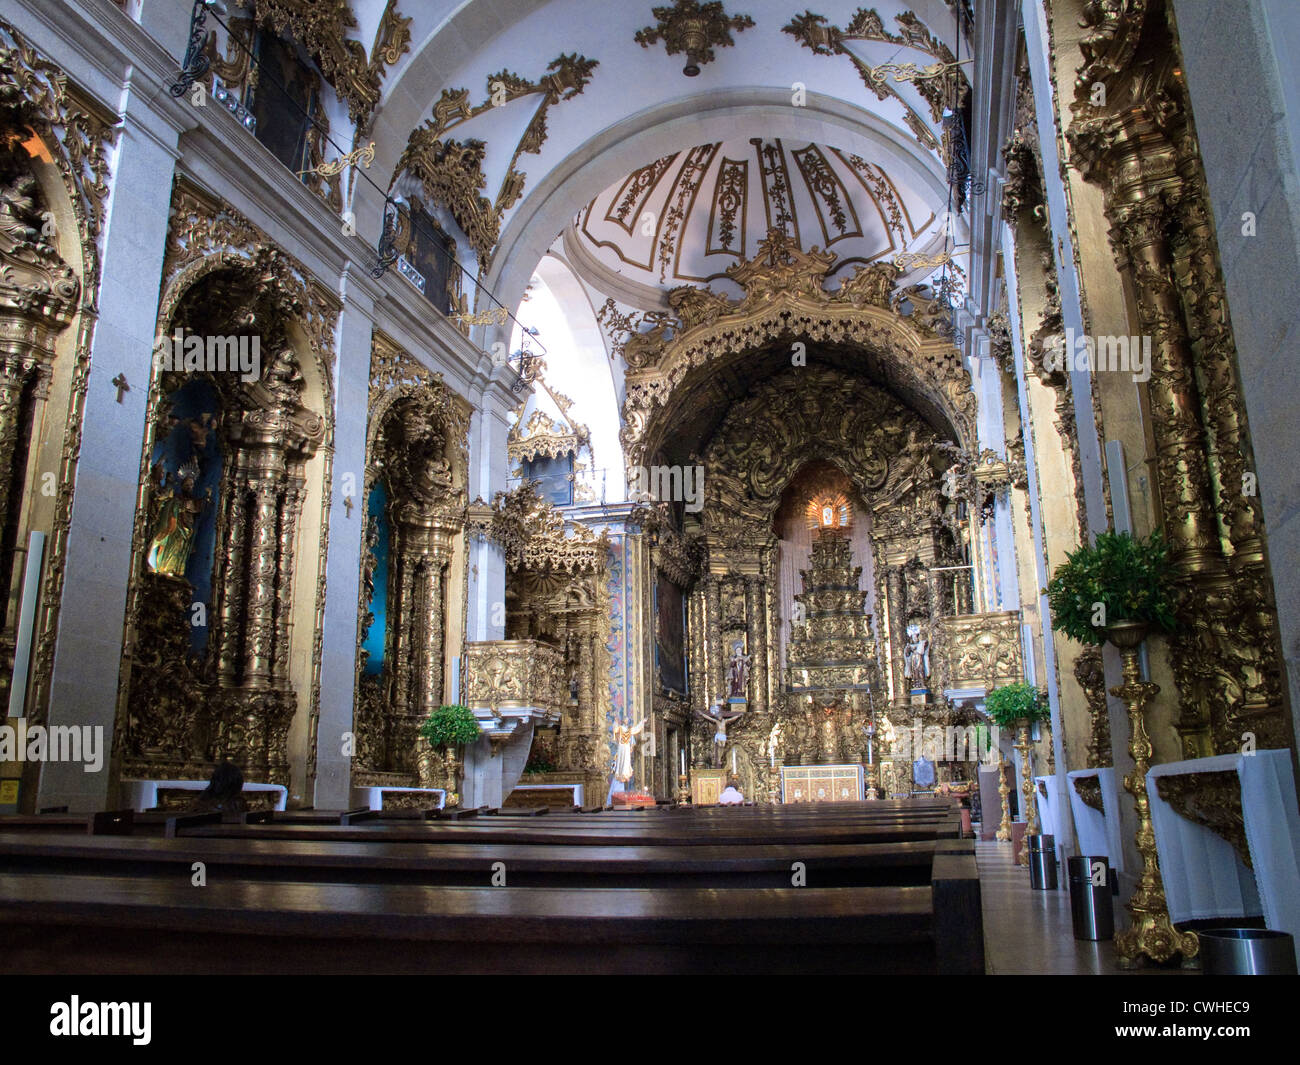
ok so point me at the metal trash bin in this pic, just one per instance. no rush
(1092, 903)
(1042, 862)
(1247, 952)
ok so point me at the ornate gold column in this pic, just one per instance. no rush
(290, 512)
(754, 602)
(229, 591)
(1141, 150)
(895, 583)
(715, 661)
(259, 640)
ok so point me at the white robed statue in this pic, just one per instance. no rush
(625, 741)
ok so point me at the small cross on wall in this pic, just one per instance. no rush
(119, 382)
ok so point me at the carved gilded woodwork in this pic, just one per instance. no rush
(941, 85)
(450, 171)
(506, 679)
(417, 447)
(321, 26)
(39, 294)
(557, 594)
(982, 650)
(1089, 790)
(41, 110)
(1140, 148)
(222, 275)
(694, 29)
(785, 300)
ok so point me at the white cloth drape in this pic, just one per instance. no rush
(1202, 874)
(1098, 831)
(1050, 807)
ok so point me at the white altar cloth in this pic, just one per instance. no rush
(1202, 874)
(1051, 807)
(1098, 831)
(373, 798)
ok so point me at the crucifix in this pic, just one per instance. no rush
(119, 382)
(347, 505)
(720, 719)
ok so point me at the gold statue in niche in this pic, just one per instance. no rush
(176, 520)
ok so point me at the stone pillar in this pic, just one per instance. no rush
(339, 638)
(97, 560)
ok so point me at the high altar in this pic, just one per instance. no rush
(813, 605)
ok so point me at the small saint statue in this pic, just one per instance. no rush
(739, 670)
(176, 517)
(625, 742)
(916, 656)
(720, 718)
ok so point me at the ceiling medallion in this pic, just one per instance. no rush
(694, 28)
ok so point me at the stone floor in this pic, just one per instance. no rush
(1029, 932)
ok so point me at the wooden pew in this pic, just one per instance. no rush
(71, 925)
(471, 865)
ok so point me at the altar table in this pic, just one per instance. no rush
(1203, 874)
(821, 783)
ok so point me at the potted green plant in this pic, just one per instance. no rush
(1014, 704)
(448, 729)
(1116, 589)
(1017, 706)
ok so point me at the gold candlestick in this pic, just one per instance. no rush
(1026, 788)
(1004, 793)
(1151, 933)
(683, 790)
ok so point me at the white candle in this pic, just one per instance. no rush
(683, 761)
(733, 760)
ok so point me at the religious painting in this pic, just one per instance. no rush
(670, 634)
(285, 100)
(431, 251)
(554, 475)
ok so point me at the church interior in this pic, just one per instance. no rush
(525, 486)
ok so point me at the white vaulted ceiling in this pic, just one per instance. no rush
(686, 217)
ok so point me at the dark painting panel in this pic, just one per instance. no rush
(670, 634)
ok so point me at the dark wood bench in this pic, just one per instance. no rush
(471, 865)
(69, 925)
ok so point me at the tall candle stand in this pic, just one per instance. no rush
(1027, 788)
(1151, 932)
(1003, 833)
